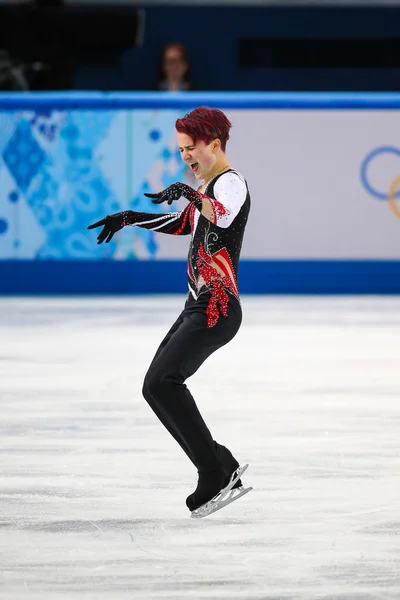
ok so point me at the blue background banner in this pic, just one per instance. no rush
(62, 170)
(67, 160)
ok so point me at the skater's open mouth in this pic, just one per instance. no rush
(194, 167)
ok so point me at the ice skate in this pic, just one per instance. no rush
(225, 496)
(228, 461)
(209, 485)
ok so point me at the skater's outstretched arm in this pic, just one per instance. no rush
(176, 223)
(230, 193)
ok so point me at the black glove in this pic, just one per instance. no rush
(112, 224)
(176, 191)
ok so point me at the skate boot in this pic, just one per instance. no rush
(228, 461)
(211, 495)
(209, 485)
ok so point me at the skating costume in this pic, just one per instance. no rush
(211, 318)
(215, 245)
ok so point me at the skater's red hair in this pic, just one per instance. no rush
(206, 124)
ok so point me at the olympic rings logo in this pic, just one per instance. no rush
(393, 192)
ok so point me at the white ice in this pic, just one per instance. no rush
(92, 488)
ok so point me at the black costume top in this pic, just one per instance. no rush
(215, 246)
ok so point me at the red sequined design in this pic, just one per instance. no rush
(218, 209)
(186, 215)
(216, 283)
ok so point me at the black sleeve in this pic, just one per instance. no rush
(175, 223)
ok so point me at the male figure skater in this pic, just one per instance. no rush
(215, 218)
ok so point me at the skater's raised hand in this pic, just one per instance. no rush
(174, 192)
(111, 224)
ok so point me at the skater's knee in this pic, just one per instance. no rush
(148, 388)
(152, 386)
(158, 384)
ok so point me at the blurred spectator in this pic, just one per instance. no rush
(174, 74)
(19, 75)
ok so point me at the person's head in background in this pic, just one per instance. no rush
(174, 73)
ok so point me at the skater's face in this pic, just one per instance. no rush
(199, 156)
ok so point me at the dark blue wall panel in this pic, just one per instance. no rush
(215, 63)
(169, 277)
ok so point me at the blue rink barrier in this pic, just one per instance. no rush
(189, 100)
(67, 261)
(169, 277)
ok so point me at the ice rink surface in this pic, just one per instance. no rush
(92, 488)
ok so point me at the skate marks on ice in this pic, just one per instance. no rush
(92, 492)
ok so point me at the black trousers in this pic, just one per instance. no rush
(186, 346)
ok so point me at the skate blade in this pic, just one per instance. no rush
(221, 500)
(206, 510)
(231, 498)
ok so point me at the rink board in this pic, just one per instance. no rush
(323, 172)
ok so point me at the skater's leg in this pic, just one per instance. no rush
(180, 358)
(227, 460)
(162, 415)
